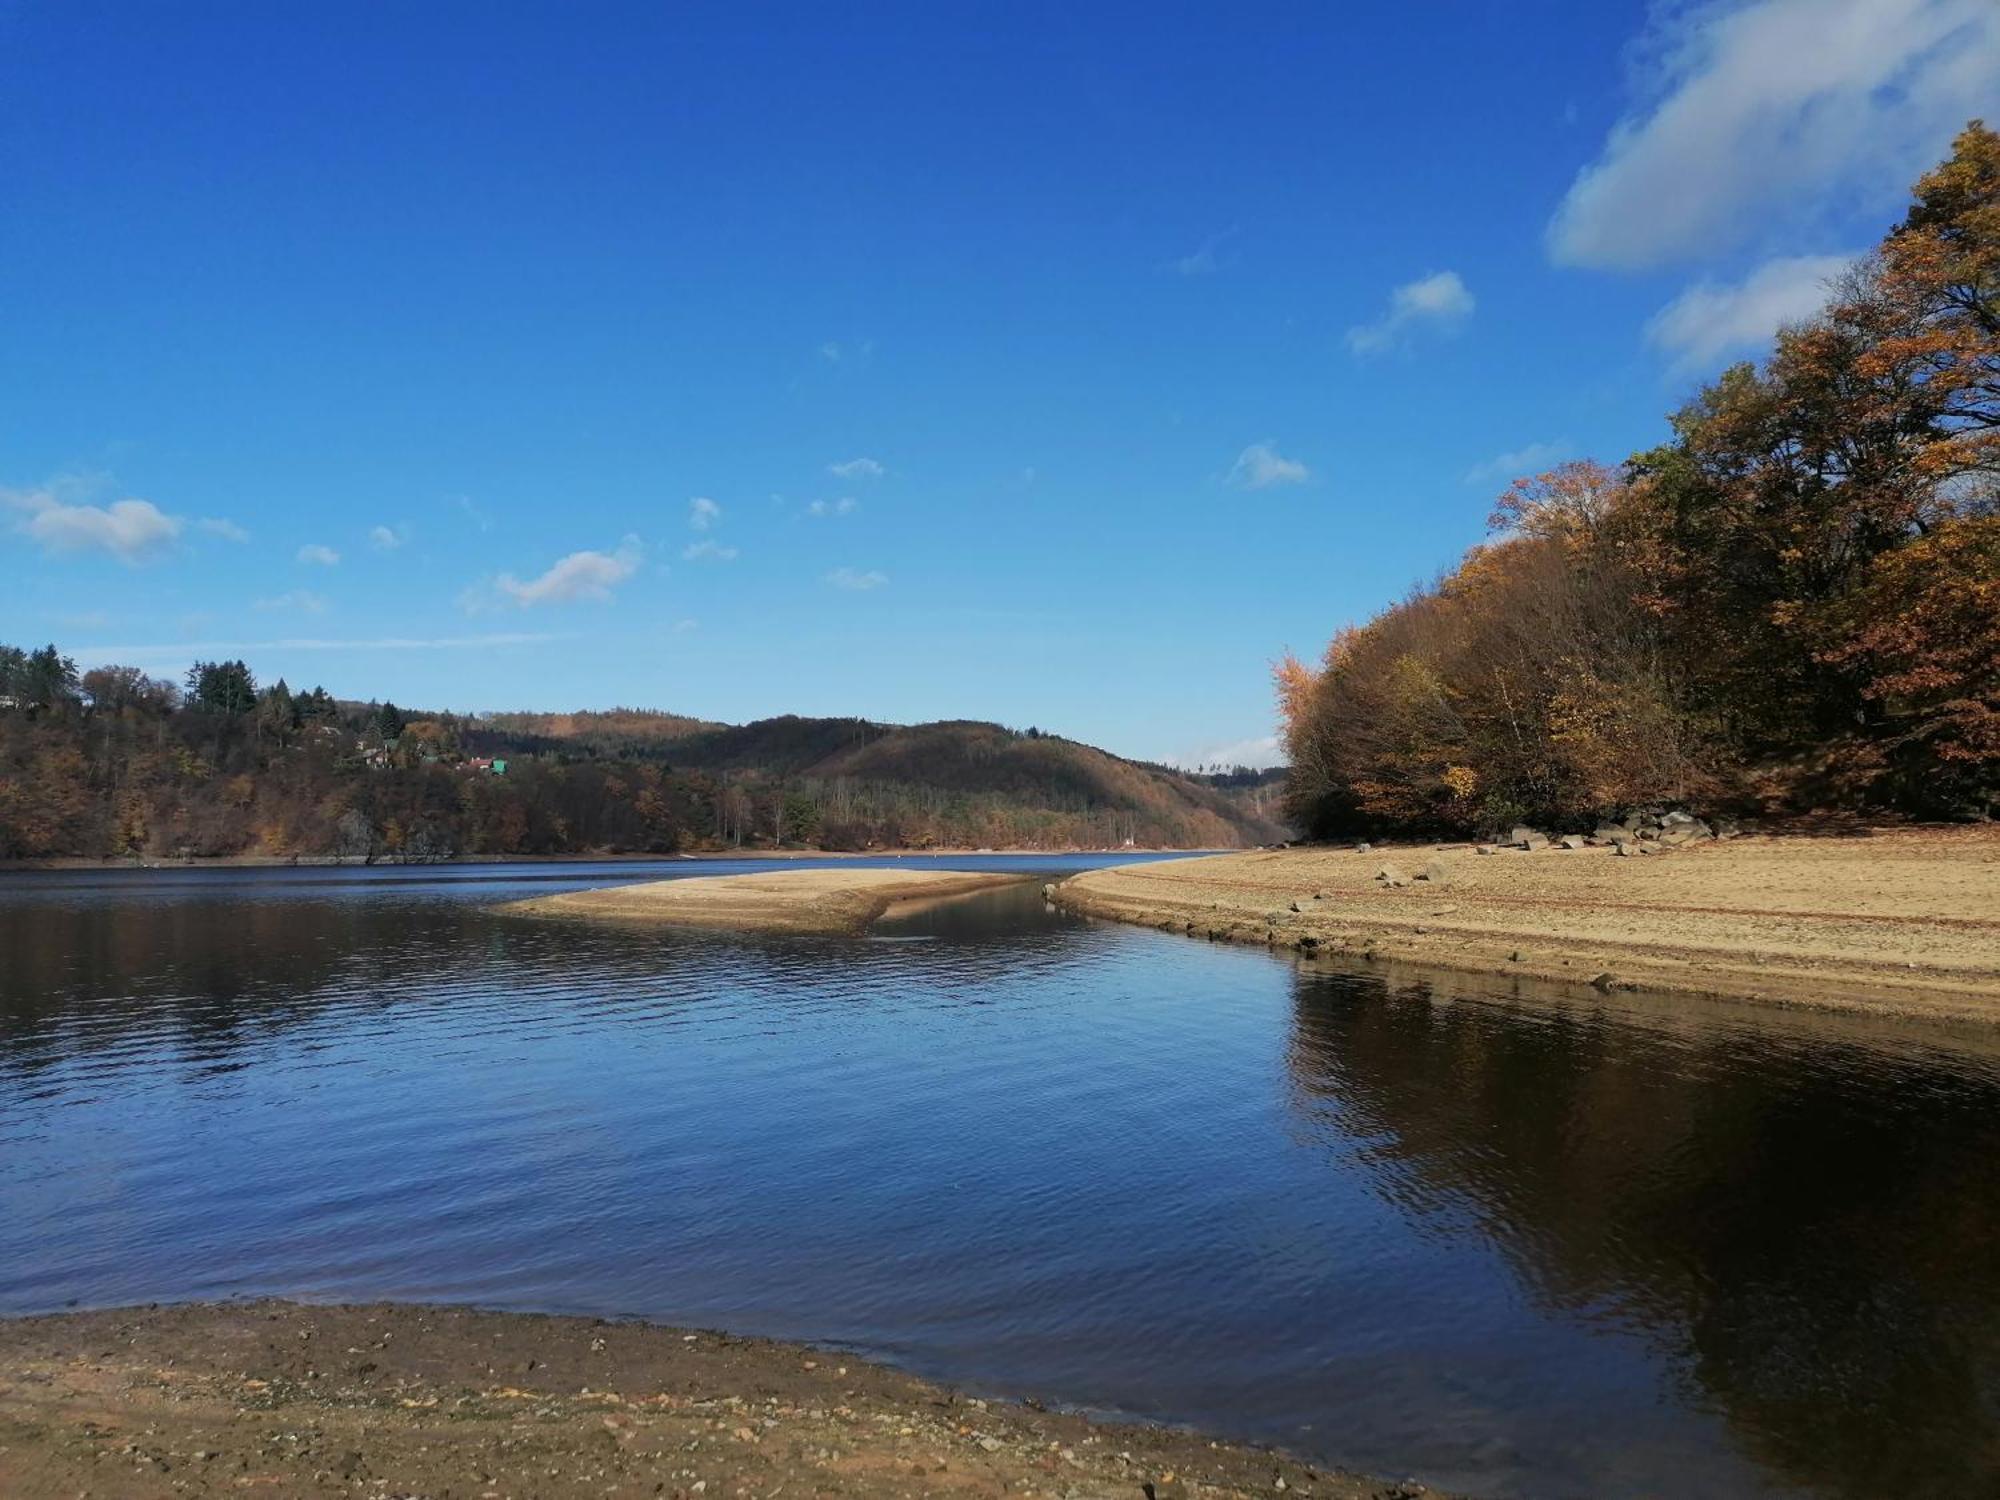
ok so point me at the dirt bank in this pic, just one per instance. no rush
(824, 901)
(1891, 920)
(451, 1404)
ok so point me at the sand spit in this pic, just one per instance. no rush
(272, 1398)
(1890, 921)
(800, 901)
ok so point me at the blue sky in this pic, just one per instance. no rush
(1057, 364)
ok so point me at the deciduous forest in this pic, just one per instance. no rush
(114, 763)
(1792, 605)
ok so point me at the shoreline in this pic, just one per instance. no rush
(287, 1398)
(356, 862)
(1899, 921)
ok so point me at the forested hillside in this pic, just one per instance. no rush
(111, 763)
(1792, 605)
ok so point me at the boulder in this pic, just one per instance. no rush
(1488, 849)
(1432, 872)
(1612, 833)
(1572, 841)
(1389, 875)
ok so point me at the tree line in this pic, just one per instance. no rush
(1793, 604)
(114, 763)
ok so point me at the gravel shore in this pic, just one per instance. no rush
(274, 1398)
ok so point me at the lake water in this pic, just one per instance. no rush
(1509, 1245)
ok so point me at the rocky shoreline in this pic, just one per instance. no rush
(277, 1398)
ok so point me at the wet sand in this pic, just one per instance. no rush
(798, 901)
(273, 1398)
(1891, 921)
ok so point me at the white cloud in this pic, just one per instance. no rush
(1259, 753)
(319, 554)
(1260, 466)
(302, 600)
(133, 531)
(580, 575)
(682, 627)
(703, 513)
(1529, 459)
(1438, 303)
(229, 531)
(387, 538)
(857, 468)
(846, 505)
(830, 352)
(1712, 319)
(1775, 111)
(856, 579)
(708, 551)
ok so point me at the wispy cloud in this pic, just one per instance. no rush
(1438, 303)
(180, 650)
(1258, 751)
(1713, 319)
(387, 538)
(846, 505)
(703, 513)
(579, 576)
(229, 531)
(1531, 458)
(857, 351)
(1261, 467)
(1766, 115)
(318, 554)
(303, 600)
(857, 579)
(56, 517)
(1207, 260)
(857, 468)
(708, 551)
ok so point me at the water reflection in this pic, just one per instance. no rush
(1804, 1215)
(1540, 1248)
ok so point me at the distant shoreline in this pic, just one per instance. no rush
(341, 861)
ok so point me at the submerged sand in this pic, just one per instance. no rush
(1898, 921)
(801, 901)
(272, 1398)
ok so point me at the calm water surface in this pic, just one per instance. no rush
(1511, 1246)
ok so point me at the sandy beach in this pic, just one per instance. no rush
(273, 1398)
(1894, 920)
(797, 901)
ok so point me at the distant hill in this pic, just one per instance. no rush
(114, 763)
(1028, 773)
